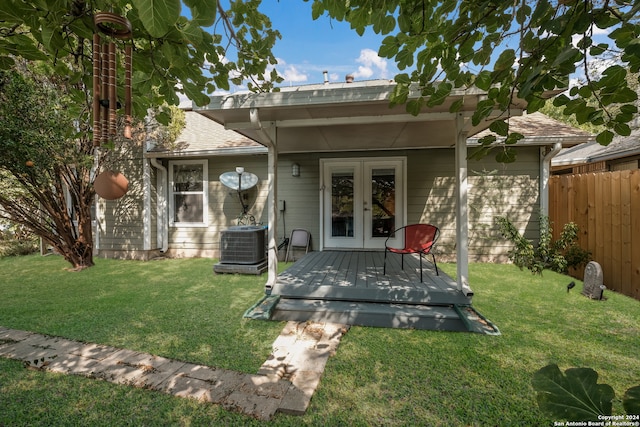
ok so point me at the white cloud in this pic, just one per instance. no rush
(371, 64)
(292, 75)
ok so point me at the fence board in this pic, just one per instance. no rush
(616, 237)
(604, 229)
(625, 231)
(606, 208)
(634, 182)
(581, 207)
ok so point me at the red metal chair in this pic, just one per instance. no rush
(418, 239)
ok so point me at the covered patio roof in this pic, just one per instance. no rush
(355, 116)
(346, 117)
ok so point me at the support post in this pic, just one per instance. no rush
(272, 254)
(268, 138)
(462, 215)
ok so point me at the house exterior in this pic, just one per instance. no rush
(623, 153)
(336, 160)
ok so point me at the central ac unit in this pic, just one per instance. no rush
(242, 245)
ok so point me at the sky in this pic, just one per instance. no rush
(309, 47)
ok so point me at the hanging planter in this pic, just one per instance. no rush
(111, 185)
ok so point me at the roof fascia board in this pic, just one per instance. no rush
(336, 121)
(363, 120)
(207, 153)
(614, 156)
(316, 96)
(539, 140)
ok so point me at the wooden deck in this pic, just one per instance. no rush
(357, 276)
(349, 287)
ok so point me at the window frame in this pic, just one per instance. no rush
(204, 192)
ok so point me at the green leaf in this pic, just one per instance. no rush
(631, 400)
(456, 105)
(613, 76)
(598, 49)
(52, 39)
(487, 140)
(389, 47)
(605, 137)
(202, 12)
(440, 95)
(403, 78)
(535, 103)
(513, 138)
(483, 110)
(622, 129)
(479, 153)
(574, 396)
(506, 60)
(499, 127)
(414, 106)
(483, 80)
(14, 11)
(6, 62)
(506, 155)
(158, 16)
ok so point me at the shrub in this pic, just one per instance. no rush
(16, 240)
(557, 255)
(18, 247)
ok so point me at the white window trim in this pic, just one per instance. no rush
(205, 194)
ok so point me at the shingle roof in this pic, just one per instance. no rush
(594, 152)
(203, 136)
(540, 126)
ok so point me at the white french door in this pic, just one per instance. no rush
(362, 201)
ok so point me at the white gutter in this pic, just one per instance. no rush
(268, 138)
(545, 172)
(163, 217)
(238, 151)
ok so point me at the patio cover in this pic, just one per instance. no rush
(355, 116)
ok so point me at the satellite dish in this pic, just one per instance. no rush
(237, 181)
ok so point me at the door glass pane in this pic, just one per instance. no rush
(383, 202)
(342, 192)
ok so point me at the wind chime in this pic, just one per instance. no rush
(108, 184)
(105, 89)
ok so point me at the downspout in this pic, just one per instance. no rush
(462, 214)
(545, 173)
(162, 224)
(268, 138)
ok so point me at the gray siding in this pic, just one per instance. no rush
(120, 222)
(494, 189)
(223, 207)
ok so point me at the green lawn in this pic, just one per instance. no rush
(180, 309)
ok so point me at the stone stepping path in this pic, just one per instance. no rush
(285, 382)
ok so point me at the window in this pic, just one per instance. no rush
(189, 196)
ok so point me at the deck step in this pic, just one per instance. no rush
(476, 322)
(263, 309)
(370, 314)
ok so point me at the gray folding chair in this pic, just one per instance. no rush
(300, 238)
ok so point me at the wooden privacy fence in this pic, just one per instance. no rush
(606, 207)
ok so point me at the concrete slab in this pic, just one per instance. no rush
(286, 381)
(72, 364)
(192, 388)
(257, 396)
(156, 379)
(95, 351)
(13, 334)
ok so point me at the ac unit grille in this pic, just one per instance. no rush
(242, 245)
